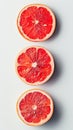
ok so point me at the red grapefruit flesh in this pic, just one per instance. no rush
(34, 65)
(35, 107)
(36, 22)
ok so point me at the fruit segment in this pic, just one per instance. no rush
(35, 107)
(34, 65)
(36, 22)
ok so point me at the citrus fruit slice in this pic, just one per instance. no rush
(35, 107)
(36, 22)
(34, 65)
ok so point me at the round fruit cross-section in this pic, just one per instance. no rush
(35, 107)
(36, 22)
(34, 65)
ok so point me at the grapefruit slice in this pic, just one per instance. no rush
(36, 22)
(34, 65)
(35, 107)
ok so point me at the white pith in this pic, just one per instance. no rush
(36, 22)
(34, 64)
(34, 107)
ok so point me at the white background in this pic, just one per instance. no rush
(60, 85)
